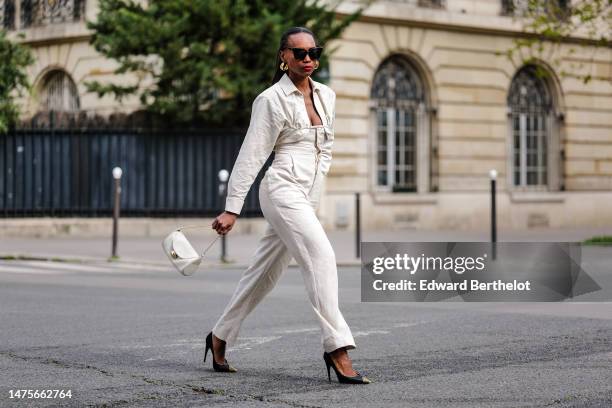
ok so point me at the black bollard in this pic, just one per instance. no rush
(117, 172)
(357, 225)
(223, 177)
(493, 176)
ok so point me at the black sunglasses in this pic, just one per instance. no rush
(300, 53)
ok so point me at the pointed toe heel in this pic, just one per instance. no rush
(222, 368)
(343, 379)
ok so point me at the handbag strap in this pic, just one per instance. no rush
(210, 245)
(200, 226)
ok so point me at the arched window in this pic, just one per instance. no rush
(534, 134)
(58, 92)
(7, 14)
(402, 127)
(557, 8)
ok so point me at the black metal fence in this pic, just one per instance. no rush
(46, 172)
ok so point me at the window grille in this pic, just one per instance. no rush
(7, 14)
(59, 93)
(432, 3)
(399, 101)
(558, 8)
(530, 112)
(44, 12)
(440, 4)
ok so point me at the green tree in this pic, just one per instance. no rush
(548, 25)
(203, 59)
(14, 60)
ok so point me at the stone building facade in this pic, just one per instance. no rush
(428, 105)
(64, 59)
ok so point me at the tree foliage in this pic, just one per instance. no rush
(203, 60)
(550, 24)
(14, 60)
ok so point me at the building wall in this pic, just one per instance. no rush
(463, 63)
(65, 46)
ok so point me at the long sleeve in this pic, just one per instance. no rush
(326, 148)
(264, 127)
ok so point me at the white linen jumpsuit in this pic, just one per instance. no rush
(289, 196)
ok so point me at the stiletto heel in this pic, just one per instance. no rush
(206, 351)
(225, 367)
(357, 379)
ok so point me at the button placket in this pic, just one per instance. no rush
(318, 103)
(300, 119)
(316, 140)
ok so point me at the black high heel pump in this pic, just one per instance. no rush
(357, 379)
(225, 367)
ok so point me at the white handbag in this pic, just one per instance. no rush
(181, 253)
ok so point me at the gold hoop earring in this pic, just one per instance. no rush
(284, 66)
(317, 66)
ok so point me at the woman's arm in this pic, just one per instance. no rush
(264, 128)
(326, 148)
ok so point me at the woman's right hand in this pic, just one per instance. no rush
(224, 222)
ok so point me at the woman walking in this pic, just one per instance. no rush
(294, 117)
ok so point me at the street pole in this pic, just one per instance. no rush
(357, 225)
(117, 173)
(223, 177)
(493, 177)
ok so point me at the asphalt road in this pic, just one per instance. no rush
(127, 335)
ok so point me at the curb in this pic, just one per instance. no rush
(88, 260)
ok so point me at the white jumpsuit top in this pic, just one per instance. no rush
(289, 196)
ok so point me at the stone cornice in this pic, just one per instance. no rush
(443, 20)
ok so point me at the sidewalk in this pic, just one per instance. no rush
(241, 247)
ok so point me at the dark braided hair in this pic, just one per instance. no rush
(283, 44)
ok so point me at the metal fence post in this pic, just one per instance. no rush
(357, 225)
(493, 177)
(117, 172)
(223, 177)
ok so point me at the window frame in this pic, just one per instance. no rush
(546, 115)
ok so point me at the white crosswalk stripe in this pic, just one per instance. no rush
(14, 268)
(63, 268)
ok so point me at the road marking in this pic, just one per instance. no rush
(306, 329)
(58, 268)
(245, 343)
(23, 270)
(63, 266)
(368, 332)
(141, 267)
(411, 324)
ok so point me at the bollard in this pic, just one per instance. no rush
(223, 177)
(493, 176)
(357, 225)
(117, 172)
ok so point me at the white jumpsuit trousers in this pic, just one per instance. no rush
(289, 196)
